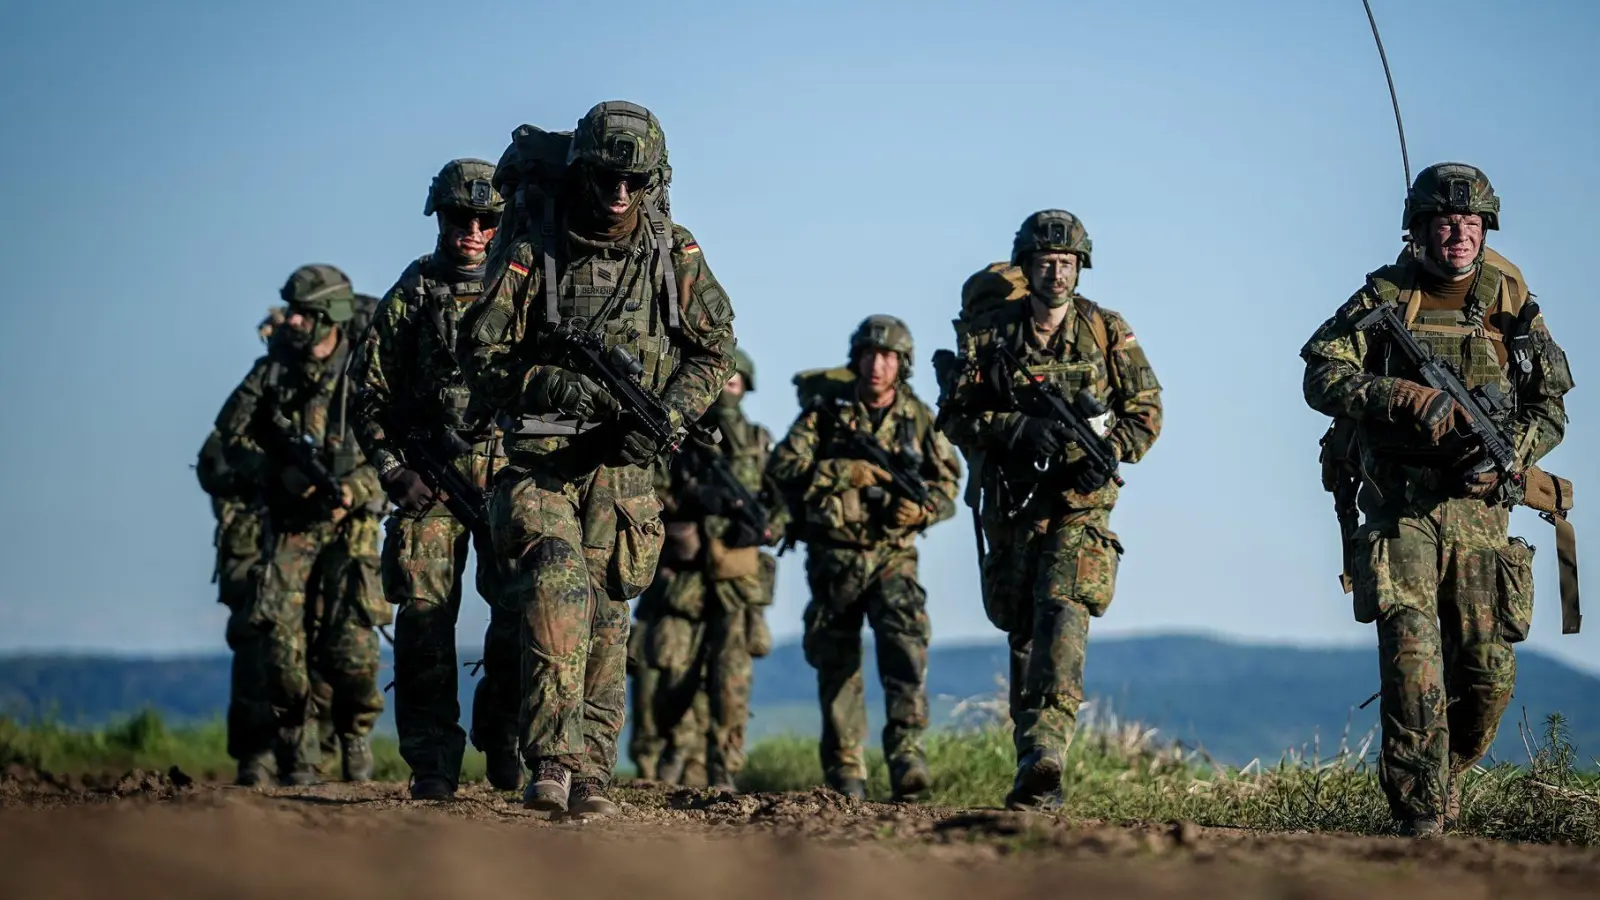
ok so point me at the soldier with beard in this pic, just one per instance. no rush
(704, 618)
(589, 257)
(285, 430)
(411, 402)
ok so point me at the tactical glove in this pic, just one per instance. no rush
(858, 473)
(1432, 412)
(1479, 485)
(1046, 437)
(568, 393)
(407, 489)
(1088, 477)
(638, 447)
(907, 514)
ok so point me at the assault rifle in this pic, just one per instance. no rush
(1550, 495)
(1077, 414)
(300, 451)
(465, 500)
(904, 479)
(742, 505)
(618, 372)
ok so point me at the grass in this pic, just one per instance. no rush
(1116, 771)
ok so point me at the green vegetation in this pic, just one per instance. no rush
(1117, 771)
(1121, 772)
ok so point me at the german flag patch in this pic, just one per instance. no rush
(518, 268)
(691, 248)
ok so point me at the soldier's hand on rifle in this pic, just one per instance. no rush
(407, 489)
(1479, 485)
(565, 392)
(1088, 477)
(858, 473)
(345, 500)
(638, 447)
(1046, 437)
(907, 514)
(1432, 412)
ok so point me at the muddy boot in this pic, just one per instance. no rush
(1452, 803)
(254, 771)
(854, 788)
(694, 774)
(548, 791)
(503, 769)
(909, 776)
(718, 779)
(1422, 829)
(589, 799)
(670, 769)
(294, 770)
(1038, 781)
(357, 758)
(432, 787)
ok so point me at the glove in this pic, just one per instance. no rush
(565, 392)
(638, 447)
(1047, 437)
(907, 514)
(1479, 485)
(1088, 477)
(858, 473)
(1430, 411)
(407, 489)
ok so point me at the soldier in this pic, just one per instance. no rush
(413, 412)
(588, 257)
(284, 428)
(1431, 563)
(861, 555)
(237, 540)
(1045, 509)
(710, 596)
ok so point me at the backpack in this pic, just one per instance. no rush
(1001, 283)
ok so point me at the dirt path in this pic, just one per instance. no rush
(145, 836)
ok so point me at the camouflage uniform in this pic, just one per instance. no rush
(713, 582)
(1051, 557)
(317, 594)
(861, 565)
(1431, 564)
(409, 388)
(575, 517)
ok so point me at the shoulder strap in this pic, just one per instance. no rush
(547, 244)
(661, 235)
(1097, 322)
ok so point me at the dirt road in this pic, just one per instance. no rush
(146, 836)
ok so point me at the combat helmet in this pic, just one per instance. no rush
(746, 367)
(320, 289)
(619, 136)
(1052, 231)
(881, 332)
(1451, 188)
(466, 184)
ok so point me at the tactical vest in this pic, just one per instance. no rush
(1083, 365)
(314, 408)
(436, 307)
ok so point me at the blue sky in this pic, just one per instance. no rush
(168, 164)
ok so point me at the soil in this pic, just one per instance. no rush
(154, 834)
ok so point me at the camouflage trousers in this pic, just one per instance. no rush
(251, 725)
(878, 584)
(317, 603)
(424, 565)
(698, 649)
(683, 750)
(1450, 595)
(576, 550)
(1044, 577)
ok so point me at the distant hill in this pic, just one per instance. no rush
(1239, 701)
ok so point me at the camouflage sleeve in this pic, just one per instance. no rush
(378, 378)
(1135, 392)
(793, 465)
(363, 484)
(707, 331)
(778, 515)
(1335, 382)
(941, 470)
(972, 413)
(492, 334)
(1542, 414)
(235, 422)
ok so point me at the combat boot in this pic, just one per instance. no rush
(589, 799)
(548, 791)
(253, 771)
(357, 758)
(670, 769)
(1422, 828)
(503, 769)
(694, 774)
(1038, 781)
(854, 788)
(293, 768)
(432, 787)
(909, 776)
(1452, 803)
